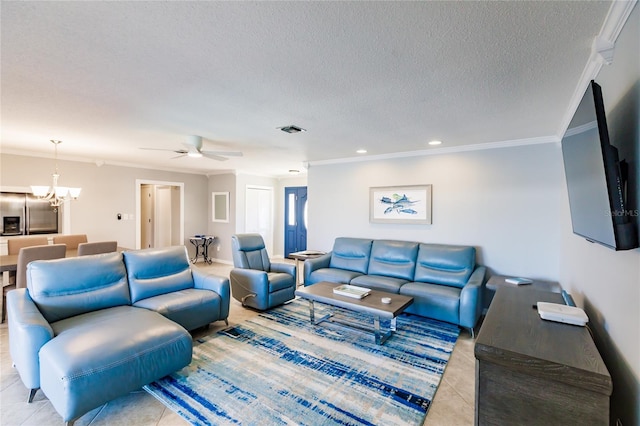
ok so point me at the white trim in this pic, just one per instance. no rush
(616, 18)
(139, 183)
(614, 22)
(440, 151)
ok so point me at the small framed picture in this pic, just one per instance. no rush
(400, 204)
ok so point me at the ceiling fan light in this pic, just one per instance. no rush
(194, 154)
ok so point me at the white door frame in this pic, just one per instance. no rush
(139, 183)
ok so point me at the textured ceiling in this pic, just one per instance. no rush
(110, 77)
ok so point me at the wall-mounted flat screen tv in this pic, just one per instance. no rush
(596, 178)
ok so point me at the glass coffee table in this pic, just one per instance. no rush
(371, 304)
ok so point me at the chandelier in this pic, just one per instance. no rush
(56, 195)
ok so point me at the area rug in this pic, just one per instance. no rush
(278, 369)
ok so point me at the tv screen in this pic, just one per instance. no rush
(596, 179)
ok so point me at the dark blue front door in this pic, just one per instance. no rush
(295, 219)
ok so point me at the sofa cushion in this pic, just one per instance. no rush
(152, 272)
(333, 275)
(378, 282)
(435, 301)
(63, 288)
(100, 355)
(351, 254)
(393, 259)
(191, 308)
(445, 264)
(280, 281)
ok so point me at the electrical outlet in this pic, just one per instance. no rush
(218, 248)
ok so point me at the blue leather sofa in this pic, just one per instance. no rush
(89, 329)
(444, 280)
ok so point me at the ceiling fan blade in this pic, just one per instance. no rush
(214, 157)
(178, 156)
(225, 153)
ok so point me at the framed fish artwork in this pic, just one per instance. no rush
(400, 204)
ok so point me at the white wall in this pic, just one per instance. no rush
(605, 282)
(505, 202)
(106, 191)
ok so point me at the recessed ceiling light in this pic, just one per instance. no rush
(292, 129)
(361, 151)
(435, 142)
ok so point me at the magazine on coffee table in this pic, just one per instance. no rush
(352, 291)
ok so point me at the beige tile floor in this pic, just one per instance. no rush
(452, 405)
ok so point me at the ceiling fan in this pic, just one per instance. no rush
(193, 148)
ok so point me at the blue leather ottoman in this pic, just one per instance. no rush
(95, 348)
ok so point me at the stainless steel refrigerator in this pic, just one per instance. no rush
(24, 214)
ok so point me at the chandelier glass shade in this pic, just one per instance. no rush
(56, 195)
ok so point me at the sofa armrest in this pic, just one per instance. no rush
(284, 268)
(217, 284)
(314, 264)
(28, 332)
(471, 298)
(251, 280)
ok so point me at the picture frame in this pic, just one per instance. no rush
(220, 207)
(400, 204)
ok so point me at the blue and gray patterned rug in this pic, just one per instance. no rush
(278, 369)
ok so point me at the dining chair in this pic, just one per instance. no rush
(29, 254)
(71, 241)
(98, 247)
(26, 255)
(15, 244)
(13, 248)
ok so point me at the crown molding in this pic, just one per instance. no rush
(440, 151)
(602, 51)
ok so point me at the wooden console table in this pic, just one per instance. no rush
(535, 372)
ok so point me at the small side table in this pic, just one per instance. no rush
(201, 243)
(302, 256)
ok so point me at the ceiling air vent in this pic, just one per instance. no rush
(292, 129)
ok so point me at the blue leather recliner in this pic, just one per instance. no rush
(255, 281)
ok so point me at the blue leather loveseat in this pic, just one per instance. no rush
(89, 329)
(444, 280)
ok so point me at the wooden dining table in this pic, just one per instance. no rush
(9, 262)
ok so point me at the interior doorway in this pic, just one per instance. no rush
(295, 219)
(259, 213)
(160, 213)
